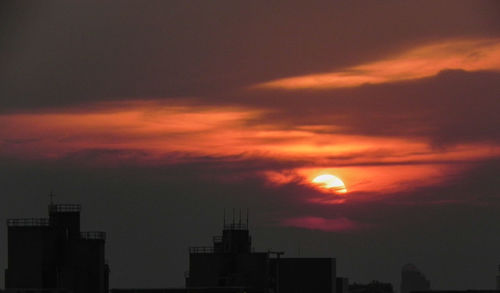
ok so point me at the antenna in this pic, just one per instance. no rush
(240, 218)
(51, 196)
(233, 218)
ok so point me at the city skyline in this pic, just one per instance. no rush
(365, 132)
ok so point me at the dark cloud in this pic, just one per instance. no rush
(452, 107)
(64, 53)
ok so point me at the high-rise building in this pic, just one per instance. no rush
(413, 280)
(53, 255)
(230, 262)
(231, 265)
(342, 285)
(498, 278)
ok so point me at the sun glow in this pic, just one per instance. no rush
(157, 133)
(330, 182)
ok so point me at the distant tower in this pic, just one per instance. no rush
(230, 262)
(413, 280)
(498, 278)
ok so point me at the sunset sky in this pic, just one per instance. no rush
(157, 116)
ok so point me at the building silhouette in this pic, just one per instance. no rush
(413, 280)
(181, 290)
(498, 278)
(232, 263)
(372, 287)
(53, 255)
(458, 291)
(342, 285)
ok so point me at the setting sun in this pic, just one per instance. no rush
(330, 182)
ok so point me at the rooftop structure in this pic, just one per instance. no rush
(232, 264)
(53, 255)
(413, 280)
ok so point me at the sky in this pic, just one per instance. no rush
(156, 116)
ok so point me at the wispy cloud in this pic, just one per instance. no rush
(418, 62)
(152, 133)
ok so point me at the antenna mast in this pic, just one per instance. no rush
(51, 196)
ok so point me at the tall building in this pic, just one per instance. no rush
(229, 262)
(342, 285)
(413, 280)
(231, 265)
(498, 278)
(53, 255)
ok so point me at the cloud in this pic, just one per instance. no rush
(323, 224)
(70, 53)
(454, 107)
(415, 63)
(153, 133)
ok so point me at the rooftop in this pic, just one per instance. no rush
(28, 222)
(65, 208)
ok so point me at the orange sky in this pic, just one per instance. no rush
(372, 166)
(375, 164)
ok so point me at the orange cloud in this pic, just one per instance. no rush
(385, 166)
(385, 179)
(163, 133)
(154, 128)
(419, 62)
(366, 182)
